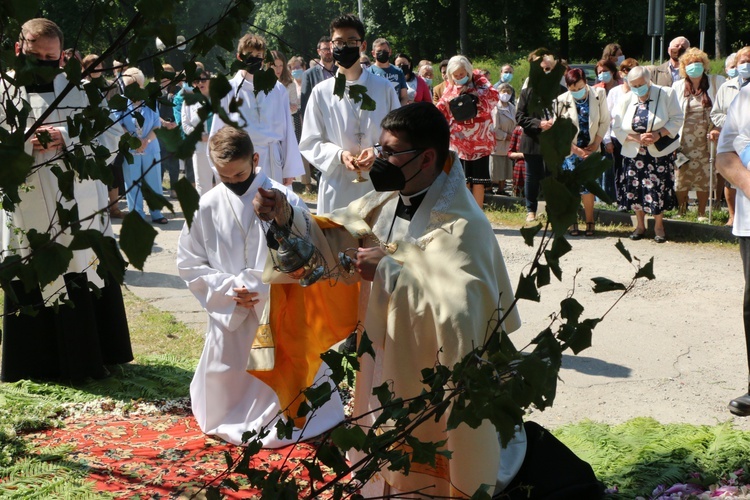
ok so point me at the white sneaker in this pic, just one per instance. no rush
(531, 217)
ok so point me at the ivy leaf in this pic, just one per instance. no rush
(358, 93)
(560, 246)
(284, 428)
(332, 457)
(348, 438)
(554, 264)
(65, 181)
(555, 144)
(529, 232)
(383, 393)
(118, 103)
(16, 168)
(647, 271)
(423, 452)
(219, 87)
(526, 288)
(482, 493)
(264, 81)
(621, 247)
(136, 239)
(606, 285)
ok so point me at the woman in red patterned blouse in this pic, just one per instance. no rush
(473, 138)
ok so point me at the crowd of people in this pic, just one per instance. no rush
(402, 186)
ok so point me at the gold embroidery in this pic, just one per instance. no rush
(263, 337)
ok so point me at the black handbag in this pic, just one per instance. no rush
(464, 107)
(665, 141)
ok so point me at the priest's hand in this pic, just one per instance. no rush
(245, 298)
(367, 261)
(271, 204)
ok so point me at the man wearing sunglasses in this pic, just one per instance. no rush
(437, 277)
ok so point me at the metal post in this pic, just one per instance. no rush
(711, 159)
(361, 16)
(653, 49)
(661, 49)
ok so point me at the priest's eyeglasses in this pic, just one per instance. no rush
(352, 42)
(380, 153)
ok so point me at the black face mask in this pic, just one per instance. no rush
(253, 64)
(346, 57)
(382, 56)
(40, 83)
(406, 69)
(240, 188)
(386, 176)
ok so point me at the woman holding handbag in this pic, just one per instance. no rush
(467, 104)
(647, 123)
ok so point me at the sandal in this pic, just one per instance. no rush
(162, 221)
(590, 229)
(574, 231)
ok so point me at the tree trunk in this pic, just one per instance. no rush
(463, 26)
(564, 25)
(721, 28)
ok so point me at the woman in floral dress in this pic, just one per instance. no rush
(643, 117)
(473, 139)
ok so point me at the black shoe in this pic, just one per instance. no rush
(635, 236)
(740, 406)
(660, 239)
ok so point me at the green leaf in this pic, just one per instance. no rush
(542, 276)
(560, 246)
(155, 201)
(111, 263)
(555, 144)
(332, 457)
(49, 259)
(423, 452)
(621, 247)
(606, 285)
(383, 393)
(365, 345)
(647, 271)
(284, 428)
(571, 309)
(526, 288)
(65, 181)
(23, 10)
(529, 232)
(581, 339)
(554, 264)
(482, 493)
(188, 198)
(118, 103)
(319, 395)
(73, 70)
(219, 87)
(562, 204)
(264, 81)
(339, 87)
(137, 239)
(348, 438)
(358, 93)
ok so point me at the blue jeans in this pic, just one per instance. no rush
(535, 172)
(147, 163)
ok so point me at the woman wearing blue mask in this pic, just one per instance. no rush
(586, 107)
(607, 76)
(641, 118)
(467, 104)
(696, 93)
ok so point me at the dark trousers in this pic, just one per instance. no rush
(535, 172)
(608, 180)
(551, 471)
(170, 165)
(745, 254)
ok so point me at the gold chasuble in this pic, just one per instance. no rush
(300, 324)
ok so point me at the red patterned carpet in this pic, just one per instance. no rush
(164, 456)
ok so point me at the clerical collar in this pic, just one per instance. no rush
(408, 204)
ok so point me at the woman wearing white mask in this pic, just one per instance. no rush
(641, 118)
(696, 92)
(613, 52)
(506, 76)
(503, 122)
(467, 104)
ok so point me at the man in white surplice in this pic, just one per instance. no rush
(336, 132)
(221, 258)
(265, 117)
